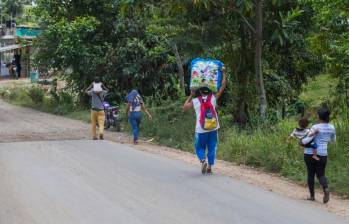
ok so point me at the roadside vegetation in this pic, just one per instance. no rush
(41, 99)
(262, 146)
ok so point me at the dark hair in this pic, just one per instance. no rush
(324, 114)
(97, 79)
(303, 122)
(205, 90)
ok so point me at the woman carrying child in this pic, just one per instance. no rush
(324, 134)
(303, 132)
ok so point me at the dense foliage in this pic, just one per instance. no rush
(93, 38)
(11, 9)
(133, 44)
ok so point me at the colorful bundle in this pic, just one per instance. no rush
(206, 73)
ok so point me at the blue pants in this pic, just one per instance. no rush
(135, 119)
(207, 140)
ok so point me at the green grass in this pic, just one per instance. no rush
(82, 115)
(319, 90)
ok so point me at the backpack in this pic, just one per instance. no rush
(208, 115)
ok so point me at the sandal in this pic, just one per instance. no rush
(203, 166)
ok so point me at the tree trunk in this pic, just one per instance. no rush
(258, 58)
(180, 68)
(241, 111)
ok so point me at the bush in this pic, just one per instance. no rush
(61, 103)
(36, 94)
(65, 98)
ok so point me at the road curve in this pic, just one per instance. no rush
(101, 182)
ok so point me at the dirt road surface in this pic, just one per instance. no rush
(51, 173)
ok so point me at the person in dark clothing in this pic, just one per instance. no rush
(17, 63)
(326, 133)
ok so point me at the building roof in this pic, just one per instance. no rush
(10, 48)
(8, 37)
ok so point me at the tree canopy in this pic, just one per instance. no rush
(146, 44)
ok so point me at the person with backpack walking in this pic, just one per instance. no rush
(97, 90)
(134, 107)
(324, 134)
(207, 124)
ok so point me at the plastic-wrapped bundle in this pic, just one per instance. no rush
(206, 73)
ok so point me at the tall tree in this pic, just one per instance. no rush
(258, 58)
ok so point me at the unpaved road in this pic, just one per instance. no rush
(25, 124)
(83, 181)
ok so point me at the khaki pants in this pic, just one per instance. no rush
(97, 116)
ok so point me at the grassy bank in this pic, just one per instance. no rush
(264, 148)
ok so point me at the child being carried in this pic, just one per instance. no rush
(306, 136)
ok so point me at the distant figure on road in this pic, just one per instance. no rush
(97, 90)
(326, 133)
(207, 124)
(134, 107)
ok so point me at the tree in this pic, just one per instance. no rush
(180, 67)
(258, 58)
(12, 8)
(146, 43)
(330, 40)
(95, 37)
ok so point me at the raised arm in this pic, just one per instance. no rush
(89, 88)
(105, 87)
(224, 85)
(189, 102)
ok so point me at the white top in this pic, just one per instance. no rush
(97, 87)
(139, 107)
(197, 105)
(327, 134)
